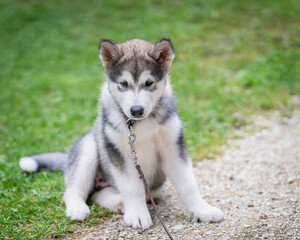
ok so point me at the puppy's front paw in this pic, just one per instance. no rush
(77, 210)
(138, 218)
(209, 214)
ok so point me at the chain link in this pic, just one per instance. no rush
(132, 137)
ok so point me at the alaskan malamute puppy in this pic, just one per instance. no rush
(100, 162)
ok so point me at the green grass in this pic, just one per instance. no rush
(233, 59)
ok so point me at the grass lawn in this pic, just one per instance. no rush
(232, 59)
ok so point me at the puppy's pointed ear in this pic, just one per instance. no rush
(109, 52)
(163, 52)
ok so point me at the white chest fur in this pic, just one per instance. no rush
(151, 140)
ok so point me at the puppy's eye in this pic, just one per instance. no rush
(124, 84)
(149, 83)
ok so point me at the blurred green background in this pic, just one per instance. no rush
(232, 59)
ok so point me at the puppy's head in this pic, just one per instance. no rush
(136, 72)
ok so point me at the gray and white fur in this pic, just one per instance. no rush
(100, 162)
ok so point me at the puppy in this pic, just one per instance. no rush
(100, 162)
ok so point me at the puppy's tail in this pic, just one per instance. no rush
(52, 161)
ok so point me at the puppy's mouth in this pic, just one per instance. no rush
(138, 119)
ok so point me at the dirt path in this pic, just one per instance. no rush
(256, 182)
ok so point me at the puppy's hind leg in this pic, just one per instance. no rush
(80, 177)
(109, 198)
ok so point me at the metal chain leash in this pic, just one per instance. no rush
(132, 139)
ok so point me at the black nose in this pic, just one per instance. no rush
(137, 111)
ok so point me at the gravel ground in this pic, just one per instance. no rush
(256, 182)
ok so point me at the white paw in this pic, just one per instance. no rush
(138, 218)
(108, 198)
(77, 210)
(209, 214)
